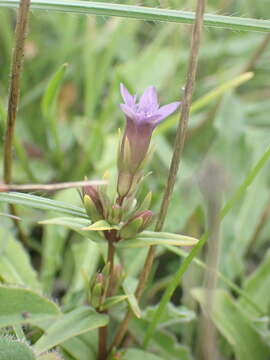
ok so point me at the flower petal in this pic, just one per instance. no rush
(167, 110)
(148, 102)
(127, 97)
(128, 111)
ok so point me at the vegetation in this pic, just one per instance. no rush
(206, 294)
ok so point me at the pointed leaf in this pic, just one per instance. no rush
(166, 235)
(113, 300)
(128, 286)
(20, 306)
(12, 349)
(257, 287)
(42, 203)
(235, 326)
(147, 241)
(52, 90)
(75, 224)
(78, 349)
(53, 355)
(135, 354)
(15, 266)
(72, 324)
(100, 225)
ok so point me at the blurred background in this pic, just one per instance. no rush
(75, 133)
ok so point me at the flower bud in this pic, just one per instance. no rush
(92, 202)
(97, 290)
(116, 214)
(91, 209)
(136, 224)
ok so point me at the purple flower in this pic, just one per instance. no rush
(142, 118)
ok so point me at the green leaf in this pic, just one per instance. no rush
(86, 255)
(68, 221)
(225, 279)
(53, 242)
(20, 306)
(11, 349)
(70, 325)
(145, 239)
(42, 203)
(193, 253)
(257, 287)
(15, 266)
(135, 354)
(75, 224)
(162, 342)
(100, 225)
(53, 355)
(128, 287)
(78, 349)
(235, 326)
(113, 300)
(171, 315)
(144, 13)
(52, 90)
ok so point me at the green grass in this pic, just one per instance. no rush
(67, 128)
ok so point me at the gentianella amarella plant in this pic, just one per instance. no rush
(115, 219)
(121, 220)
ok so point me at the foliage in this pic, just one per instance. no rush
(67, 128)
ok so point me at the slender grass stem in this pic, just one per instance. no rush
(13, 100)
(144, 13)
(178, 149)
(14, 90)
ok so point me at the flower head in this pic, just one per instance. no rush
(141, 119)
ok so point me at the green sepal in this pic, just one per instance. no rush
(105, 202)
(131, 229)
(101, 225)
(96, 294)
(116, 214)
(112, 301)
(145, 205)
(91, 209)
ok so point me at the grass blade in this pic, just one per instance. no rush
(144, 13)
(40, 202)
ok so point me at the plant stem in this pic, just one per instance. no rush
(14, 90)
(103, 331)
(178, 149)
(102, 346)
(110, 260)
(13, 100)
(257, 54)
